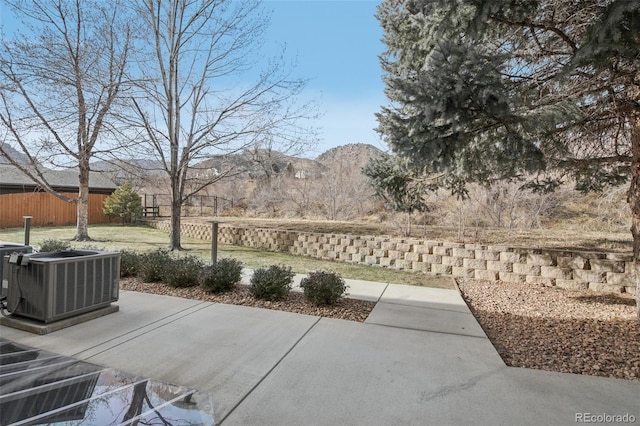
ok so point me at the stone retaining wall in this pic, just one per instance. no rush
(597, 271)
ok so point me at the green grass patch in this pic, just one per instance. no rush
(144, 239)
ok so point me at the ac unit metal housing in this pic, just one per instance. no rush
(51, 286)
(6, 249)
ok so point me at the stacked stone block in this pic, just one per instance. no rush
(597, 271)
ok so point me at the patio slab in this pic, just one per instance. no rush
(223, 350)
(38, 327)
(431, 318)
(359, 374)
(438, 298)
(277, 368)
(138, 313)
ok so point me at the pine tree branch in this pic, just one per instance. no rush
(533, 25)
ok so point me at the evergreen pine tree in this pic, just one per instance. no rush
(124, 203)
(482, 90)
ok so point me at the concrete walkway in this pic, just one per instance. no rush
(420, 358)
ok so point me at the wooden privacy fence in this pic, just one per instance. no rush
(46, 209)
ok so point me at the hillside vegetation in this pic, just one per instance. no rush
(340, 201)
(330, 194)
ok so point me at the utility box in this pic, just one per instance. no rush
(55, 285)
(6, 249)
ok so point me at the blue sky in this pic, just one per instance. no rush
(336, 43)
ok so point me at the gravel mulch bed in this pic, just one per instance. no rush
(346, 309)
(547, 328)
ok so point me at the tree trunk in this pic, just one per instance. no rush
(137, 401)
(634, 202)
(174, 235)
(636, 281)
(82, 224)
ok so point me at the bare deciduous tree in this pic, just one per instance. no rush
(343, 191)
(59, 82)
(299, 194)
(510, 205)
(193, 103)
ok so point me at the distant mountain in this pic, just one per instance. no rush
(258, 162)
(357, 155)
(248, 165)
(138, 172)
(13, 153)
(128, 165)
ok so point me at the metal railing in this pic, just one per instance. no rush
(159, 205)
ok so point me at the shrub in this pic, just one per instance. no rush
(124, 203)
(54, 244)
(272, 283)
(323, 287)
(222, 276)
(91, 247)
(183, 271)
(129, 263)
(152, 265)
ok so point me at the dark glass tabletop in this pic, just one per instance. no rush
(40, 387)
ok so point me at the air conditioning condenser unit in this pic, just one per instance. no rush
(55, 285)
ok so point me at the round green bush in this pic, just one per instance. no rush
(152, 265)
(54, 244)
(222, 276)
(129, 263)
(183, 271)
(323, 287)
(272, 283)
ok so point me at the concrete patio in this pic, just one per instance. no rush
(420, 358)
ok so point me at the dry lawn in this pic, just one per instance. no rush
(581, 233)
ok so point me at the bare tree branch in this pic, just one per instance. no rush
(59, 84)
(197, 47)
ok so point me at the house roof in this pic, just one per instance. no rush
(14, 180)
